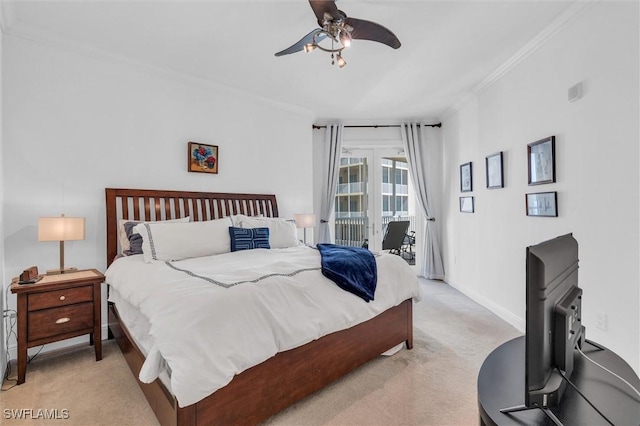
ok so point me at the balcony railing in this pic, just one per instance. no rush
(387, 189)
(359, 188)
(351, 188)
(352, 231)
(345, 161)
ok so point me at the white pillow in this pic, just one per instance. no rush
(237, 219)
(122, 233)
(175, 241)
(282, 232)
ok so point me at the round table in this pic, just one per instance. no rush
(501, 385)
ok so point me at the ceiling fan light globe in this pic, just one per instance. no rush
(341, 61)
(309, 47)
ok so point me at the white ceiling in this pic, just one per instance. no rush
(448, 46)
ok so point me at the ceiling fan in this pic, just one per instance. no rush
(339, 29)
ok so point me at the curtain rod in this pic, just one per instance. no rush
(375, 126)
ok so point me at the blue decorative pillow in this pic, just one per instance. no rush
(135, 239)
(249, 238)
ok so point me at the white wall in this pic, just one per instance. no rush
(597, 174)
(3, 351)
(76, 123)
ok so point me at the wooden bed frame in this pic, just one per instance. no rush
(267, 388)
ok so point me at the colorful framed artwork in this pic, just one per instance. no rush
(466, 204)
(203, 158)
(495, 175)
(466, 184)
(542, 163)
(542, 204)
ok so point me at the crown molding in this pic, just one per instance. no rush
(557, 25)
(8, 17)
(38, 36)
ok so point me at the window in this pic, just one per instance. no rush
(386, 174)
(386, 200)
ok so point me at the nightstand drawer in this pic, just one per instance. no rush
(52, 299)
(54, 321)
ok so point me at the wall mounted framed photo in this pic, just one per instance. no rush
(542, 204)
(466, 183)
(495, 175)
(542, 163)
(466, 204)
(202, 158)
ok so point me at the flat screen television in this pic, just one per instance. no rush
(553, 319)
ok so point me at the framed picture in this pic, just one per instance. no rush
(466, 184)
(466, 204)
(542, 164)
(202, 158)
(495, 176)
(542, 204)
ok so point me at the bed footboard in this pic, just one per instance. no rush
(264, 390)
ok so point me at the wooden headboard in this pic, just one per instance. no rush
(151, 204)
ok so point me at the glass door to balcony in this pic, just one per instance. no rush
(352, 210)
(373, 190)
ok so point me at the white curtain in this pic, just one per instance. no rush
(332, 151)
(417, 150)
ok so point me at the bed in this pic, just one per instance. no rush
(264, 389)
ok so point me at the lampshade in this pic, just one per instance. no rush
(60, 228)
(305, 220)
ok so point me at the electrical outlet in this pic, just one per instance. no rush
(601, 321)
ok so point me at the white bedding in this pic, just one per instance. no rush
(138, 327)
(216, 316)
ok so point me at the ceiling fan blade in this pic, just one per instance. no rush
(303, 41)
(367, 30)
(320, 7)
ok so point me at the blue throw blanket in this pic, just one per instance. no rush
(352, 268)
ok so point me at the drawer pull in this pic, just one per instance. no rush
(62, 297)
(62, 320)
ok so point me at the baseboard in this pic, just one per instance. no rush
(56, 346)
(517, 322)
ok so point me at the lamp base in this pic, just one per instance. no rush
(62, 271)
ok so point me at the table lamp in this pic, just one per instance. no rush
(304, 220)
(61, 229)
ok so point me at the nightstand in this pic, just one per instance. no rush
(58, 307)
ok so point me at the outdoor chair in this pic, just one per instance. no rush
(407, 246)
(394, 236)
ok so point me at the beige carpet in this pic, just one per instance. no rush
(433, 384)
